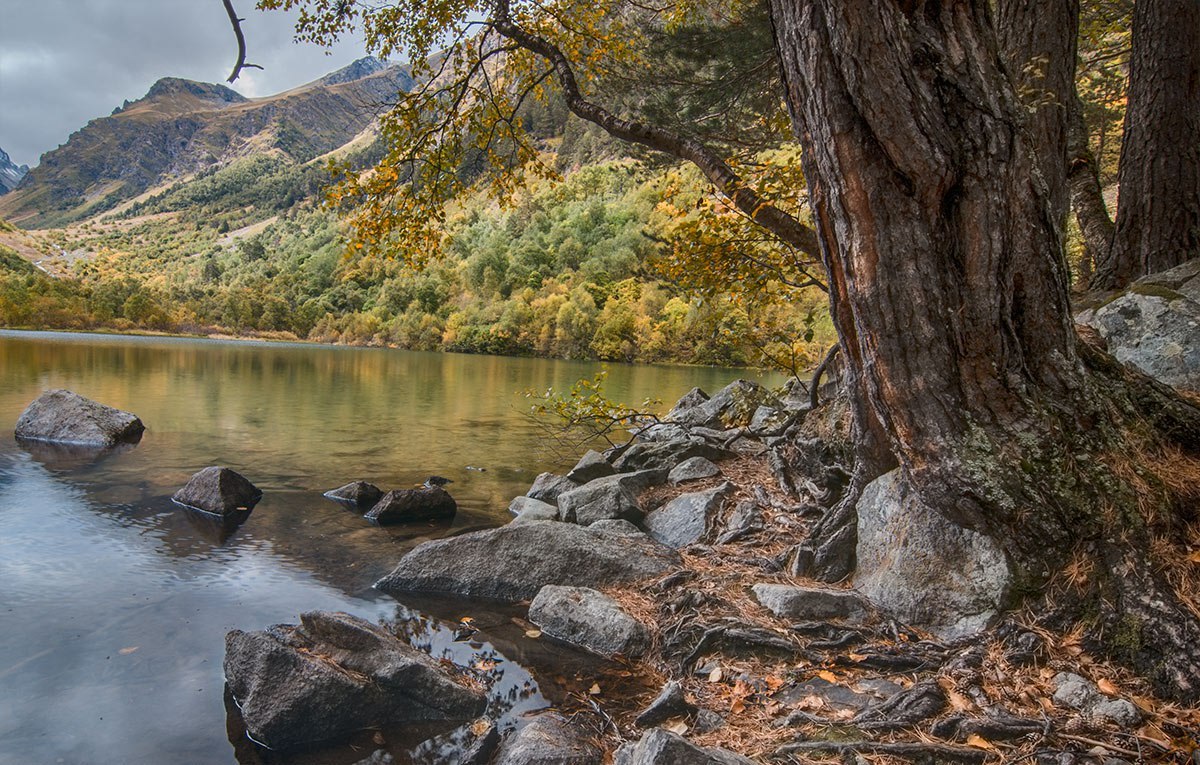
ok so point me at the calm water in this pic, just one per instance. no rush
(114, 602)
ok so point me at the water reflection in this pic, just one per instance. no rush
(115, 601)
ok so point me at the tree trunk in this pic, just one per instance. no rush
(947, 275)
(1087, 198)
(1038, 40)
(1158, 210)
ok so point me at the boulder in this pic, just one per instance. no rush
(686, 519)
(662, 747)
(746, 518)
(529, 509)
(769, 421)
(549, 739)
(591, 466)
(665, 455)
(599, 501)
(917, 566)
(513, 562)
(584, 617)
(68, 418)
(663, 431)
(334, 674)
(693, 469)
(1155, 324)
(811, 603)
(617, 526)
(690, 400)
(218, 490)
(732, 406)
(358, 493)
(428, 503)
(547, 487)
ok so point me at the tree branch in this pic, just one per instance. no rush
(236, 23)
(718, 172)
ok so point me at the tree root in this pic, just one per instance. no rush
(931, 753)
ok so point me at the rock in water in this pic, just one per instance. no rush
(358, 493)
(428, 503)
(550, 740)
(916, 565)
(585, 617)
(65, 417)
(218, 490)
(513, 562)
(334, 674)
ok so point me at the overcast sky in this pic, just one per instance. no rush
(64, 62)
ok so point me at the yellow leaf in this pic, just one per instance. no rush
(127, 651)
(827, 676)
(716, 675)
(979, 742)
(533, 633)
(595, 689)
(1106, 687)
(676, 726)
(1194, 557)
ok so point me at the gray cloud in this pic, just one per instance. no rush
(64, 62)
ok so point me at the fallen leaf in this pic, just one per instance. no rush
(127, 651)
(827, 676)
(1107, 688)
(844, 714)
(677, 726)
(856, 656)
(1046, 703)
(595, 689)
(533, 633)
(738, 705)
(378, 738)
(979, 742)
(716, 675)
(1194, 557)
(485, 665)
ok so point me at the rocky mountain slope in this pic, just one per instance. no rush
(180, 128)
(10, 174)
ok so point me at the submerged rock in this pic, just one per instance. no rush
(68, 418)
(218, 490)
(916, 565)
(334, 674)
(428, 503)
(513, 562)
(587, 618)
(549, 740)
(358, 493)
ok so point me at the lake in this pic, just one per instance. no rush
(114, 602)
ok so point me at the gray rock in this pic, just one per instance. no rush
(670, 702)
(590, 467)
(916, 565)
(549, 740)
(334, 674)
(428, 503)
(745, 518)
(732, 406)
(481, 750)
(693, 469)
(64, 417)
(665, 455)
(617, 526)
(358, 493)
(548, 486)
(218, 490)
(599, 501)
(515, 561)
(1076, 692)
(708, 721)
(530, 509)
(811, 603)
(1156, 327)
(1184, 279)
(584, 617)
(769, 421)
(693, 398)
(663, 431)
(1119, 712)
(378, 757)
(686, 519)
(662, 747)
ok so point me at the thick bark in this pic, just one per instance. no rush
(1087, 198)
(1038, 40)
(1158, 209)
(948, 282)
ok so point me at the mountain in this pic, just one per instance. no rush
(182, 128)
(10, 174)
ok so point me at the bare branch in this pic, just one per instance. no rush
(236, 23)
